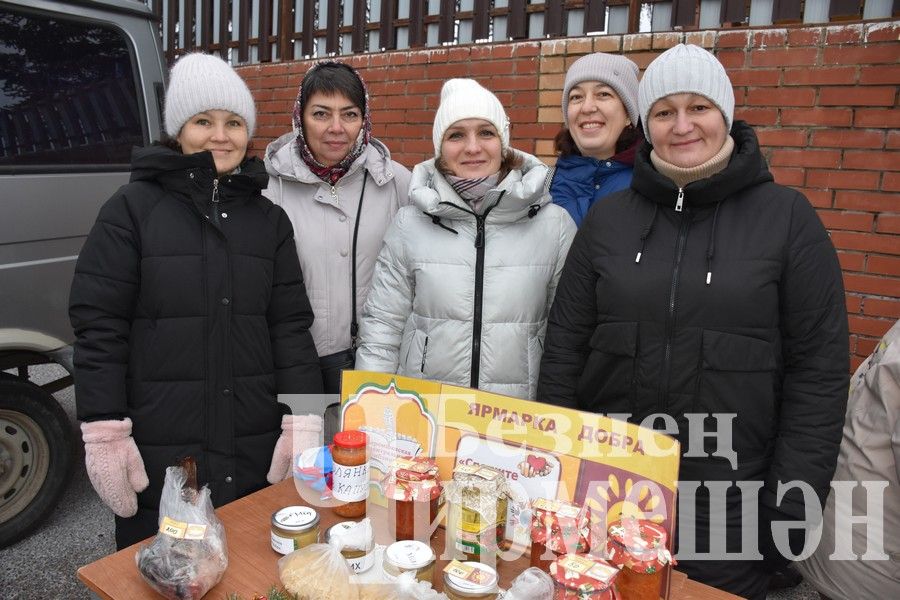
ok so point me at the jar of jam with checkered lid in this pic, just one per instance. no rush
(558, 528)
(638, 548)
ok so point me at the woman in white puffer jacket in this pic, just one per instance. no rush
(465, 279)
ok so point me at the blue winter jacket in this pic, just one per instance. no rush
(580, 180)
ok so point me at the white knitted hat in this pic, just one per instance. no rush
(616, 71)
(467, 99)
(200, 82)
(685, 70)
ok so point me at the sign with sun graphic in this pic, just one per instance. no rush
(618, 469)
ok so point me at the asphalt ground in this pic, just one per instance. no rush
(43, 566)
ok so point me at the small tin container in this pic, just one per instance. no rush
(294, 527)
(409, 555)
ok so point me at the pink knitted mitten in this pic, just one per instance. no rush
(114, 464)
(298, 432)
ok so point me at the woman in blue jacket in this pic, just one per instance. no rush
(600, 135)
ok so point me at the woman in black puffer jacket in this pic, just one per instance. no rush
(708, 288)
(190, 313)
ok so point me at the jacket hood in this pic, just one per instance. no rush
(166, 166)
(283, 160)
(746, 168)
(524, 190)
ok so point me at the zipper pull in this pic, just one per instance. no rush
(334, 192)
(424, 354)
(479, 232)
(215, 202)
(679, 203)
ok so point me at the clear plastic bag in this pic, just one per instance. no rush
(408, 588)
(531, 584)
(188, 556)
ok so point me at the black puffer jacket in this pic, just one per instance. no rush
(733, 305)
(190, 317)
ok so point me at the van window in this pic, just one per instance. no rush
(67, 94)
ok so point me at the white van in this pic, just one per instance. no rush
(81, 83)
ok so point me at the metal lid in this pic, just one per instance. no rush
(470, 578)
(295, 518)
(409, 554)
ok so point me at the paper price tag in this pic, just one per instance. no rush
(181, 530)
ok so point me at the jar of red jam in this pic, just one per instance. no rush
(558, 528)
(413, 490)
(350, 473)
(638, 548)
(583, 577)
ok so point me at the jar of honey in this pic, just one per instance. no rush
(350, 474)
(406, 556)
(470, 581)
(583, 577)
(359, 551)
(294, 527)
(638, 548)
(558, 528)
(414, 491)
(477, 500)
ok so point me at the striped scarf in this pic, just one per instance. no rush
(473, 190)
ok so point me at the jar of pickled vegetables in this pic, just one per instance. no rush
(558, 528)
(414, 491)
(583, 577)
(349, 473)
(638, 548)
(477, 499)
(294, 527)
(470, 581)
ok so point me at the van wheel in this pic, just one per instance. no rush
(36, 450)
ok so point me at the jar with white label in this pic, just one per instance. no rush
(350, 473)
(470, 581)
(294, 527)
(361, 554)
(409, 555)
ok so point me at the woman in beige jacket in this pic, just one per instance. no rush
(341, 190)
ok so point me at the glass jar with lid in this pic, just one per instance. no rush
(477, 499)
(349, 473)
(294, 527)
(414, 492)
(638, 548)
(358, 547)
(470, 581)
(558, 528)
(409, 555)
(583, 577)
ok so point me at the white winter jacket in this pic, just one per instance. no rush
(324, 217)
(462, 298)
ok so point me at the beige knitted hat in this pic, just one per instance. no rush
(199, 82)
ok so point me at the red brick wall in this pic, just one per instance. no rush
(823, 101)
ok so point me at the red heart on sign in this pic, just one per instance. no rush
(536, 462)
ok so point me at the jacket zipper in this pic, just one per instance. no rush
(679, 202)
(479, 292)
(424, 354)
(662, 402)
(215, 202)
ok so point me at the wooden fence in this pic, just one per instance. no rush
(262, 31)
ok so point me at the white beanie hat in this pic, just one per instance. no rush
(467, 99)
(616, 71)
(200, 82)
(685, 70)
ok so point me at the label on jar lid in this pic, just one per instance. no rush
(563, 509)
(409, 554)
(295, 518)
(181, 530)
(477, 470)
(584, 567)
(471, 576)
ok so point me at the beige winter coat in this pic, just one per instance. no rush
(324, 217)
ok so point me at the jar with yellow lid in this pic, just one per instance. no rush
(470, 581)
(294, 527)
(409, 555)
(359, 547)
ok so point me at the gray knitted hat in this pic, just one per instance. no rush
(686, 70)
(467, 99)
(616, 71)
(200, 82)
